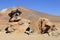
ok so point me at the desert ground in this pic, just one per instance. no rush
(16, 35)
(33, 36)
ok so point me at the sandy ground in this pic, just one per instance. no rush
(34, 36)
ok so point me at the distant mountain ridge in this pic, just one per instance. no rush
(27, 13)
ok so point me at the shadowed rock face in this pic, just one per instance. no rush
(14, 15)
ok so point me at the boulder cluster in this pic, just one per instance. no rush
(43, 25)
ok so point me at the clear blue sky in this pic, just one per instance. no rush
(48, 6)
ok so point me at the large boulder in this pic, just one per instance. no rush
(44, 25)
(21, 26)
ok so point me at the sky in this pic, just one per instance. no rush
(48, 6)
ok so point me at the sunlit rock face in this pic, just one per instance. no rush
(21, 26)
(44, 24)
